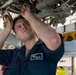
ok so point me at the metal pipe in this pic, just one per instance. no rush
(13, 10)
(45, 3)
(6, 4)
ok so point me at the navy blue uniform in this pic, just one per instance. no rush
(39, 61)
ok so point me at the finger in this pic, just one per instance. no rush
(9, 15)
(24, 6)
(4, 21)
(5, 18)
(4, 25)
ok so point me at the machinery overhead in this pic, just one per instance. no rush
(58, 10)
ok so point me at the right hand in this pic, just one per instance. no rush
(25, 10)
(8, 22)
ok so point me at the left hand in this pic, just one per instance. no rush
(8, 22)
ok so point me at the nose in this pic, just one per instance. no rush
(24, 26)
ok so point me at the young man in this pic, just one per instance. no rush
(40, 54)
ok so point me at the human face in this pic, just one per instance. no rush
(23, 30)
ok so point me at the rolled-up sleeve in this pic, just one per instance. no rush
(56, 55)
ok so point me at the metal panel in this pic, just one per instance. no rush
(60, 29)
(70, 48)
(12, 40)
(70, 27)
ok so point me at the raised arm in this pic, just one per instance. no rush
(46, 33)
(6, 31)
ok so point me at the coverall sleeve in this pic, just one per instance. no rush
(57, 54)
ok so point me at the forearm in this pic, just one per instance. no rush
(3, 36)
(7, 29)
(40, 28)
(44, 31)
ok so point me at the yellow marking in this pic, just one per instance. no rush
(71, 34)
